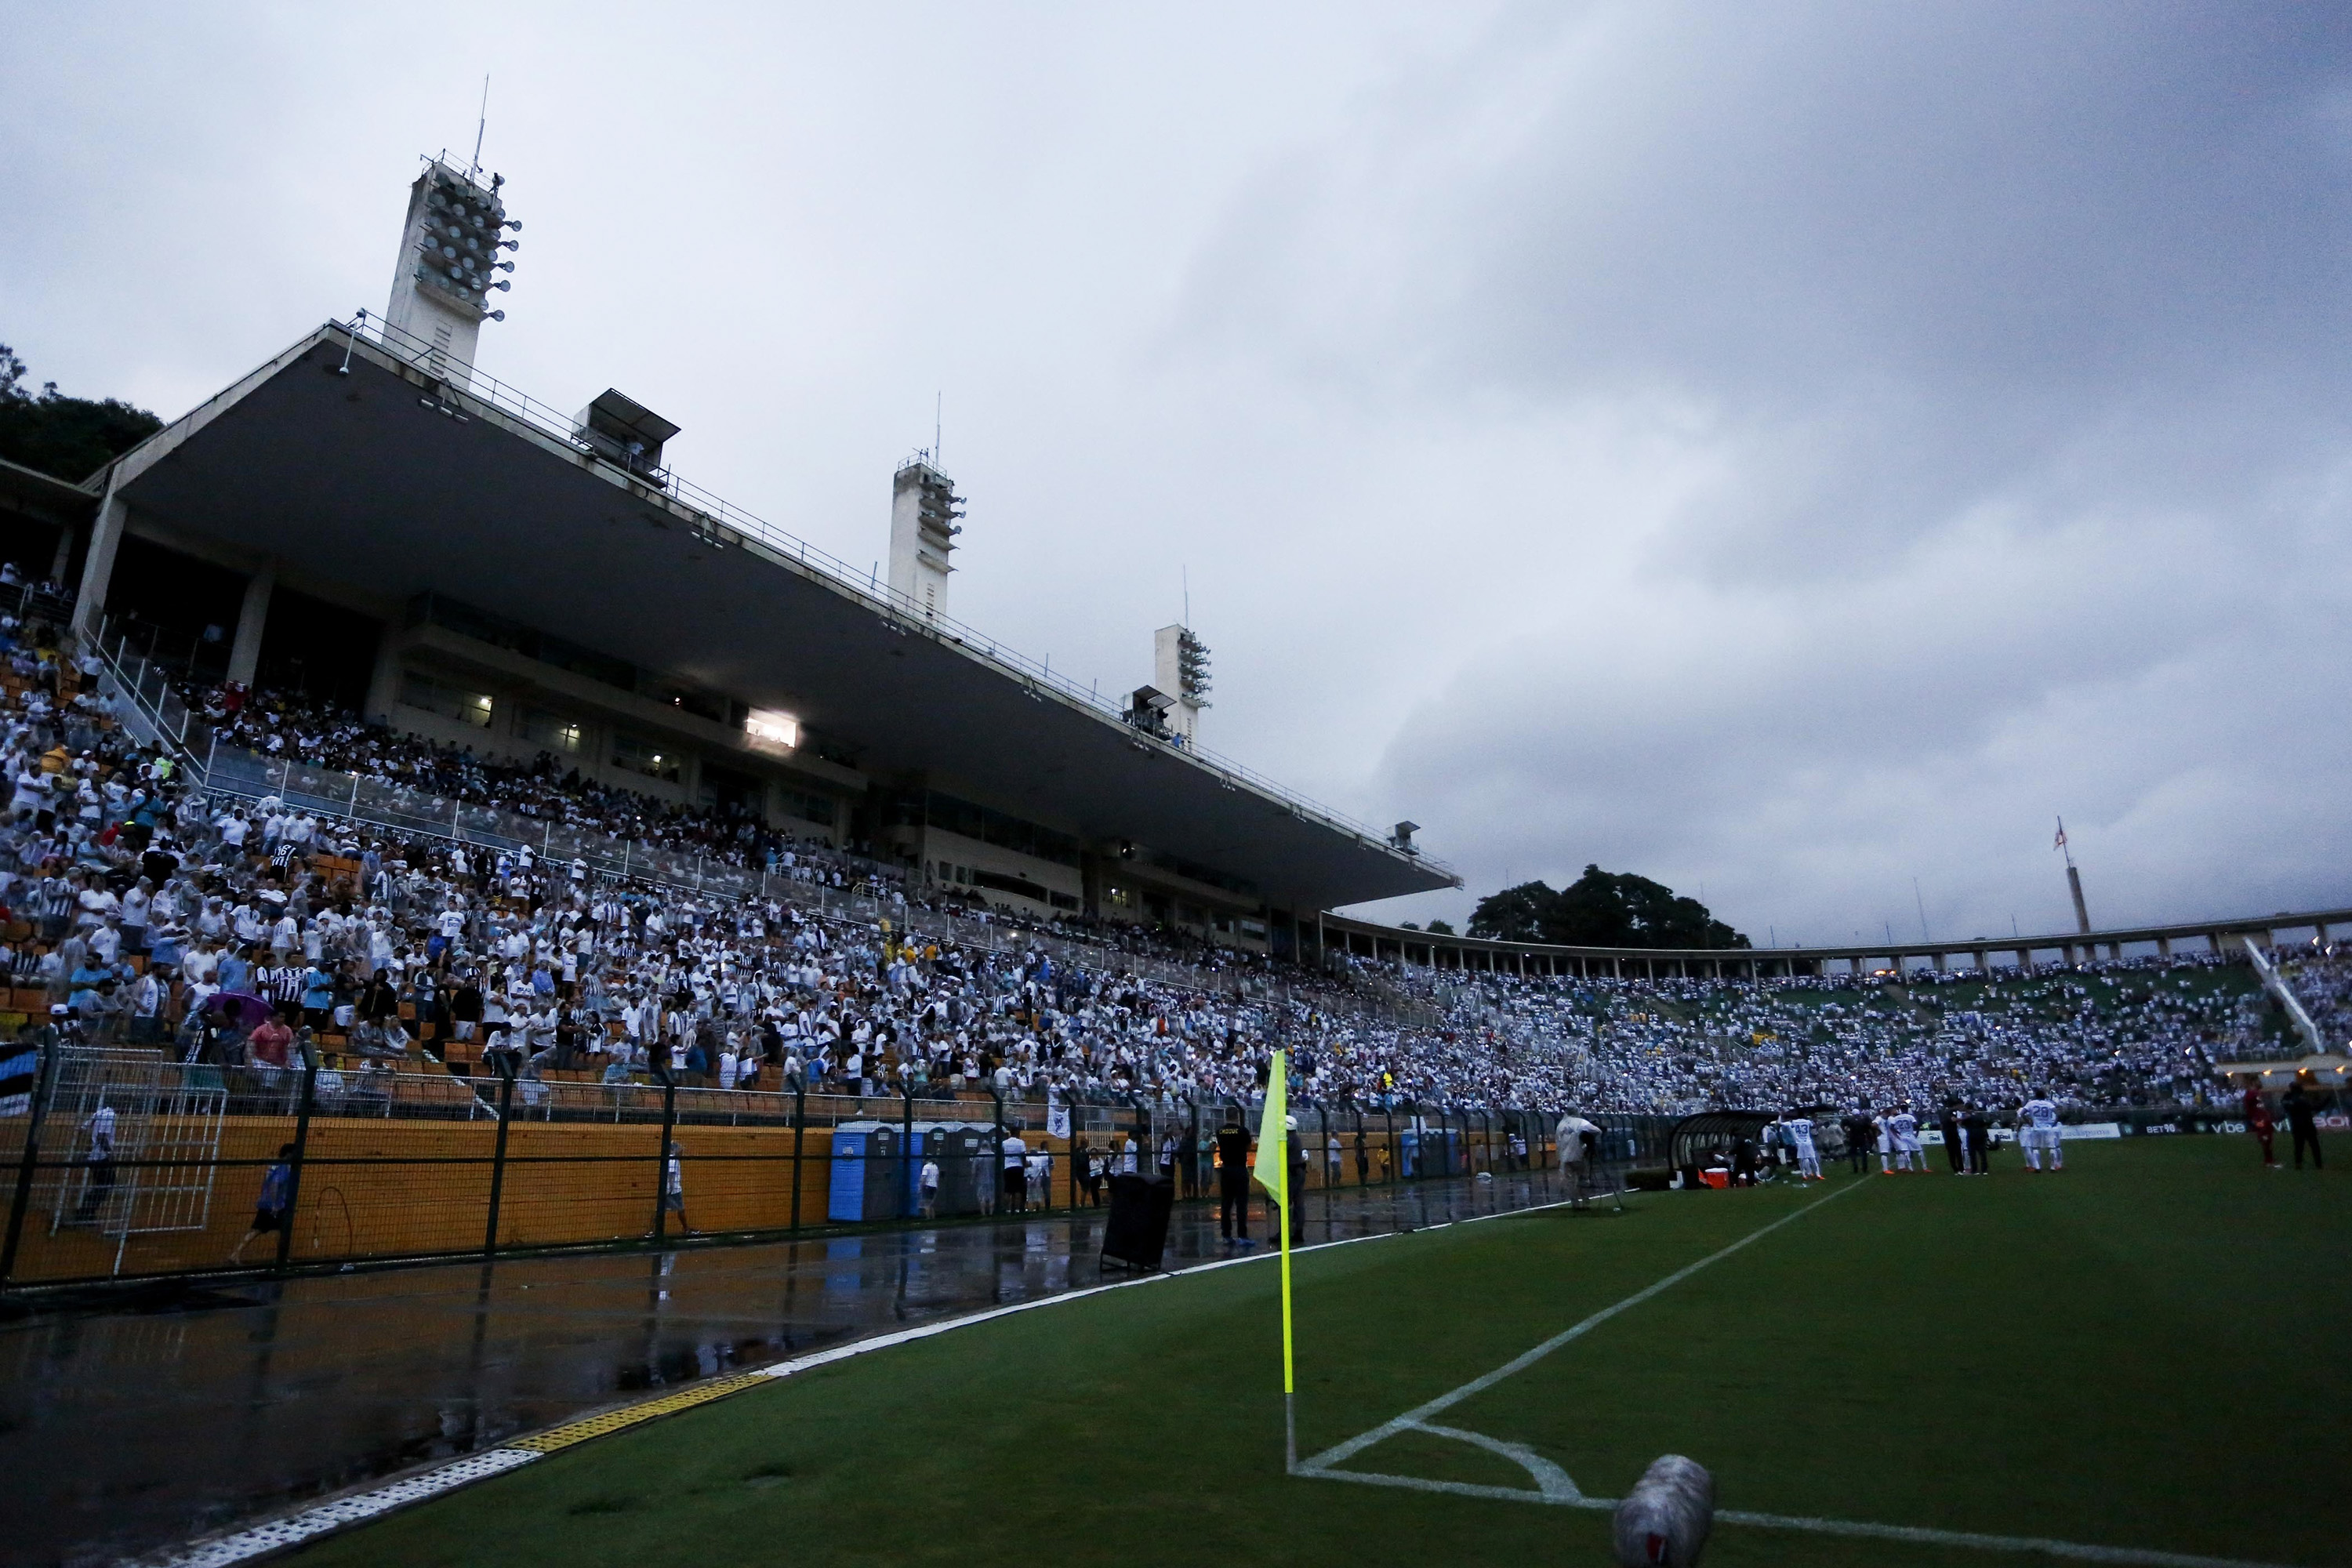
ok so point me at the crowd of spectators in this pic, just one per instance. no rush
(2116, 1033)
(222, 930)
(280, 727)
(2322, 981)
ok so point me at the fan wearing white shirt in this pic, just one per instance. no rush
(1016, 1179)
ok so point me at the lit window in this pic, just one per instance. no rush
(637, 756)
(449, 701)
(765, 726)
(553, 730)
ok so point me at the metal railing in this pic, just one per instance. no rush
(123, 1164)
(716, 511)
(147, 702)
(27, 602)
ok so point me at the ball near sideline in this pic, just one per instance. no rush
(1664, 1521)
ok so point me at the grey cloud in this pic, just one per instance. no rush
(1999, 347)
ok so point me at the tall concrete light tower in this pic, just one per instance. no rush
(1180, 666)
(448, 268)
(923, 511)
(2074, 880)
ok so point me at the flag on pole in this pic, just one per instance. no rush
(2062, 835)
(1272, 1167)
(1273, 1172)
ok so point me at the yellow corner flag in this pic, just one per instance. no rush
(1272, 1167)
(1273, 1172)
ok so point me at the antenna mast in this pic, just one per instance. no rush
(480, 126)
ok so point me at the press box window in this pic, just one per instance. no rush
(449, 701)
(632, 755)
(553, 731)
(808, 807)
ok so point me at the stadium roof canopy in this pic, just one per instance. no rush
(343, 456)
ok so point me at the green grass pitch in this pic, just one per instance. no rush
(2133, 1355)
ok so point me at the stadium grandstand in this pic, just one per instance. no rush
(299, 824)
(245, 944)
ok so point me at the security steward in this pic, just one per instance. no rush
(1233, 1181)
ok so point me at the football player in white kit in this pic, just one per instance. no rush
(2037, 1133)
(1800, 1130)
(1886, 1145)
(1903, 1130)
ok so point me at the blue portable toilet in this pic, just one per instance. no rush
(867, 1174)
(962, 1149)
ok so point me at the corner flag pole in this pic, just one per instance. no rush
(1289, 1414)
(1274, 1174)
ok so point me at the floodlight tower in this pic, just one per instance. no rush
(448, 270)
(923, 511)
(2073, 882)
(1180, 665)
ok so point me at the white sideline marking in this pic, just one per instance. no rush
(1342, 1452)
(2076, 1551)
(275, 1535)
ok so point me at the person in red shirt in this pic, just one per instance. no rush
(2260, 1123)
(271, 1043)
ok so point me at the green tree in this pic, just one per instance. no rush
(70, 438)
(1515, 914)
(1602, 909)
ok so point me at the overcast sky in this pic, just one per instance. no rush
(1784, 451)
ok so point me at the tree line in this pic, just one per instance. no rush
(1601, 908)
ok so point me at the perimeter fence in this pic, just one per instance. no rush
(123, 1164)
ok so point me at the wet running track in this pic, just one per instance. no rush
(141, 1424)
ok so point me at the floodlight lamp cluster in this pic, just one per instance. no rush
(464, 229)
(938, 506)
(1192, 667)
